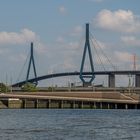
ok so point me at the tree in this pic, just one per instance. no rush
(30, 87)
(3, 87)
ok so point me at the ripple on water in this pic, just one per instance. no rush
(69, 124)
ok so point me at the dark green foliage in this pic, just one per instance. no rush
(29, 87)
(51, 89)
(3, 88)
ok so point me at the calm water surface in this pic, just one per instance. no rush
(47, 124)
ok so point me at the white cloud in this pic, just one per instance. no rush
(73, 45)
(62, 10)
(123, 57)
(3, 51)
(68, 65)
(77, 31)
(41, 48)
(24, 36)
(60, 39)
(18, 58)
(131, 40)
(121, 20)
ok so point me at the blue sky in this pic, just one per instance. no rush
(57, 28)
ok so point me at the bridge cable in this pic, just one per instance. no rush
(107, 57)
(99, 59)
(108, 60)
(98, 56)
(21, 71)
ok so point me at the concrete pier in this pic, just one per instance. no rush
(71, 100)
(61, 104)
(116, 106)
(137, 80)
(111, 80)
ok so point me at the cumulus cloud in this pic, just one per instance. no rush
(68, 65)
(123, 56)
(73, 45)
(120, 20)
(24, 36)
(131, 40)
(77, 31)
(4, 51)
(18, 58)
(60, 39)
(41, 48)
(62, 10)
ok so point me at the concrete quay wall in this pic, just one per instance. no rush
(70, 100)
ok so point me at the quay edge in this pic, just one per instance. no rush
(70, 100)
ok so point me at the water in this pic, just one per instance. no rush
(31, 124)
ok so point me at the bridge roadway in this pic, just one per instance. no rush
(48, 76)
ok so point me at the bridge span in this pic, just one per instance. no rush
(111, 76)
(86, 77)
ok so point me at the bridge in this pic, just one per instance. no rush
(111, 75)
(86, 77)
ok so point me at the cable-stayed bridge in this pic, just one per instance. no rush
(86, 77)
(111, 75)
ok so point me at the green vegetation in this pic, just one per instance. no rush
(3, 88)
(29, 87)
(51, 89)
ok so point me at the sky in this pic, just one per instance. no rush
(57, 29)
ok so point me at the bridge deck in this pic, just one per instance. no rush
(48, 76)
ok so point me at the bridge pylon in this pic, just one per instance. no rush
(87, 79)
(29, 66)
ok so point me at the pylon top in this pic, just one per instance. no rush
(29, 66)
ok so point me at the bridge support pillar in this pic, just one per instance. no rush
(108, 106)
(48, 104)
(126, 106)
(73, 104)
(36, 103)
(136, 106)
(61, 104)
(95, 105)
(82, 105)
(116, 106)
(101, 105)
(87, 79)
(137, 80)
(24, 103)
(86, 84)
(111, 80)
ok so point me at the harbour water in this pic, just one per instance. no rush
(45, 124)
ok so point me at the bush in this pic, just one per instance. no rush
(51, 89)
(3, 87)
(29, 87)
